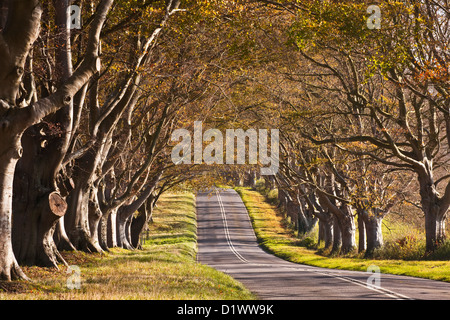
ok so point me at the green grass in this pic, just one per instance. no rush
(276, 238)
(166, 268)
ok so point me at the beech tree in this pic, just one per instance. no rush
(19, 34)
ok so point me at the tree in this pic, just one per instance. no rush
(121, 97)
(20, 32)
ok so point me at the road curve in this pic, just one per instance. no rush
(226, 241)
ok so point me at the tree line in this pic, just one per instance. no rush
(363, 113)
(86, 115)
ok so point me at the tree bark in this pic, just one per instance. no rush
(374, 234)
(36, 211)
(362, 233)
(121, 222)
(337, 236)
(60, 237)
(9, 268)
(125, 216)
(434, 206)
(326, 225)
(20, 32)
(292, 209)
(306, 221)
(139, 225)
(140, 222)
(348, 230)
(111, 222)
(77, 222)
(343, 223)
(435, 213)
(95, 215)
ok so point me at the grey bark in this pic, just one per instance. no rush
(140, 221)
(37, 170)
(125, 216)
(21, 31)
(344, 224)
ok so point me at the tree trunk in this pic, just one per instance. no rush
(125, 214)
(324, 216)
(34, 220)
(434, 209)
(121, 223)
(77, 222)
(140, 222)
(282, 199)
(374, 234)
(128, 231)
(362, 233)
(60, 237)
(102, 231)
(139, 225)
(77, 218)
(372, 219)
(292, 209)
(53, 208)
(344, 224)
(327, 232)
(95, 215)
(111, 222)
(434, 226)
(9, 268)
(348, 230)
(306, 221)
(337, 236)
(33, 229)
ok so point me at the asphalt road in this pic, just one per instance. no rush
(227, 242)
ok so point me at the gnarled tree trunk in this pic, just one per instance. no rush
(125, 216)
(111, 221)
(344, 225)
(372, 219)
(306, 218)
(16, 115)
(434, 208)
(9, 268)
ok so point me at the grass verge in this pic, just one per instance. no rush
(166, 268)
(275, 238)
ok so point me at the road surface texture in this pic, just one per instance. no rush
(226, 241)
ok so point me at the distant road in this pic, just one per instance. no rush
(227, 242)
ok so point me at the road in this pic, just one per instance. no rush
(227, 242)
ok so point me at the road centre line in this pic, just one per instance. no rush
(227, 231)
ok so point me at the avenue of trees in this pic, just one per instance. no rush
(86, 115)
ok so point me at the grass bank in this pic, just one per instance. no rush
(275, 237)
(166, 268)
